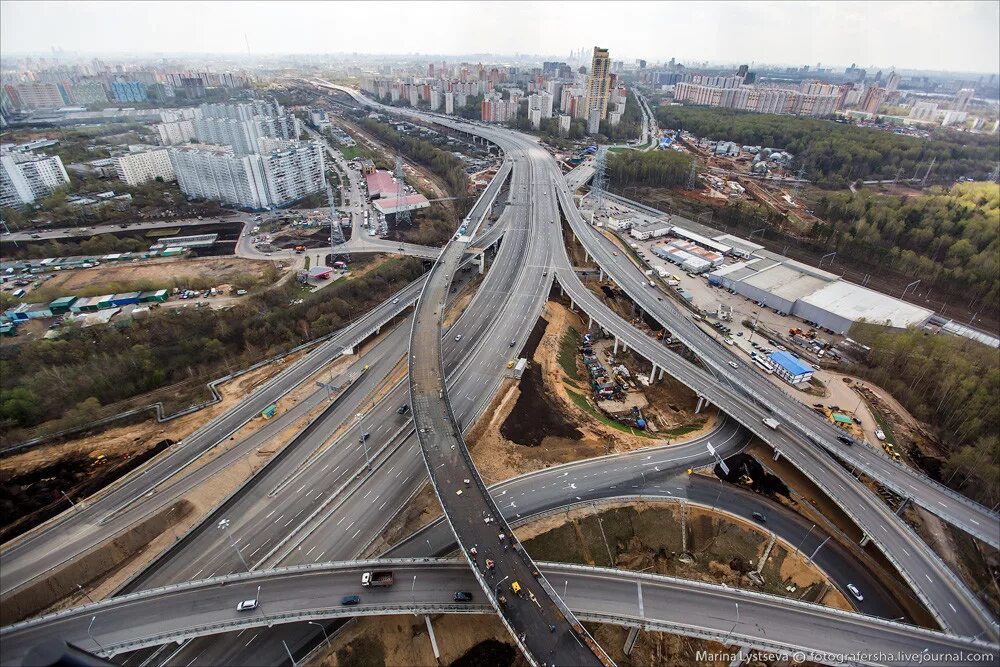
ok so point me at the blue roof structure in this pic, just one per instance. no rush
(790, 363)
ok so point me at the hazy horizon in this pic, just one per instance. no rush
(962, 37)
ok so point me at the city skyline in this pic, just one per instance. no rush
(921, 37)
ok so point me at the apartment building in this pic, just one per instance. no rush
(280, 173)
(26, 176)
(143, 164)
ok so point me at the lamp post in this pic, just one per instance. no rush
(89, 634)
(224, 526)
(326, 638)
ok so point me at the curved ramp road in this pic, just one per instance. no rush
(544, 629)
(313, 593)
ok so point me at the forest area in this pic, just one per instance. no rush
(651, 168)
(952, 384)
(950, 236)
(83, 369)
(837, 154)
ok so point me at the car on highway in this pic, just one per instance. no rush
(403, 409)
(247, 605)
(759, 518)
(513, 343)
(845, 439)
(734, 364)
(463, 596)
(855, 592)
(458, 338)
(350, 600)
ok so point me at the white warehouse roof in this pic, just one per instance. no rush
(786, 282)
(855, 302)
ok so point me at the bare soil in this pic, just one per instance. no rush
(538, 412)
(647, 537)
(165, 272)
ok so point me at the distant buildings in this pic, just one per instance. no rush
(873, 99)
(281, 173)
(926, 111)
(128, 91)
(36, 95)
(564, 124)
(729, 93)
(240, 125)
(962, 99)
(26, 176)
(143, 164)
(177, 132)
(495, 109)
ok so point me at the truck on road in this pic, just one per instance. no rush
(377, 579)
(771, 422)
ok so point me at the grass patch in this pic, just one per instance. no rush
(581, 402)
(883, 424)
(684, 429)
(350, 152)
(157, 233)
(568, 346)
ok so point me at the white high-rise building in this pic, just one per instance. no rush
(594, 121)
(449, 103)
(24, 177)
(240, 125)
(564, 124)
(962, 99)
(435, 100)
(535, 116)
(546, 100)
(142, 165)
(414, 95)
(178, 132)
(281, 173)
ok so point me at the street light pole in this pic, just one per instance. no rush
(89, 634)
(223, 526)
(799, 548)
(290, 657)
(326, 638)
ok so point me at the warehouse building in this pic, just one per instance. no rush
(649, 230)
(793, 288)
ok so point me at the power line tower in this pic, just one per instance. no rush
(995, 174)
(798, 182)
(693, 176)
(928, 172)
(899, 172)
(402, 214)
(599, 183)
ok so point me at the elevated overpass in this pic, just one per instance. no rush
(313, 593)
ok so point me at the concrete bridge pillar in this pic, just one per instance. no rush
(652, 375)
(616, 345)
(865, 539)
(777, 454)
(586, 255)
(700, 405)
(572, 305)
(902, 506)
(661, 374)
(482, 262)
(633, 635)
(602, 276)
(590, 322)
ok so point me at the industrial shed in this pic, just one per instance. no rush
(814, 295)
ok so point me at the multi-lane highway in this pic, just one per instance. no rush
(312, 593)
(335, 519)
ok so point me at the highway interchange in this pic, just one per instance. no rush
(516, 285)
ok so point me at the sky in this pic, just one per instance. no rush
(944, 36)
